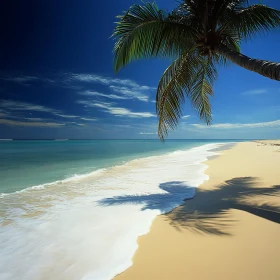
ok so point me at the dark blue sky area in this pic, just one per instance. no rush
(57, 79)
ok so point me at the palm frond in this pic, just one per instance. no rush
(202, 89)
(188, 75)
(145, 31)
(196, 12)
(223, 6)
(222, 10)
(251, 20)
(170, 93)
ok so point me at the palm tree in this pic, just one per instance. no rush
(198, 35)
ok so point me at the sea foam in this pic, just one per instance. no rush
(86, 227)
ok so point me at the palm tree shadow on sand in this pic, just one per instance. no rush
(173, 192)
(208, 212)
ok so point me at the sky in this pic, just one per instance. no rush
(57, 79)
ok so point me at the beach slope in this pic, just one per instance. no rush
(230, 230)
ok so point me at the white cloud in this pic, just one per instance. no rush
(74, 124)
(24, 106)
(35, 123)
(147, 133)
(26, 79)
(131, 93)
(92, 78)
(255, 91)
(88, 119)
(89, 78)
(67, 116)
(2, 113)
(116, 111)
(127, 88)
(239, 125)
(103, 105)
(185, 117)
(123, 125)
(17, 106)
(76, 117)
(128, 83)
(95, 93)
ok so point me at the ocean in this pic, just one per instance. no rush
(74, 209)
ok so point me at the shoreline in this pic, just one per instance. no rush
(217, 151)
(119, 163)
(84, 210)
(197, 241)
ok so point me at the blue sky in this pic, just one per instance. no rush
(57, 79)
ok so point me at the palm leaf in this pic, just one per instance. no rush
(249, 21)
(170, 94)
(145, 31)
(190, 74)
(223, 9)
(202, 89)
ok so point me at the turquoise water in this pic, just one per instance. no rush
(25, 164)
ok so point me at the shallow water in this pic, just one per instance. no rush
(30, 163)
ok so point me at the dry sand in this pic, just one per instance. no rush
(230, 230)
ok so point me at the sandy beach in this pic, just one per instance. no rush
(229, 230)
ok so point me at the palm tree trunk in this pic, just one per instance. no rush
(266, 68)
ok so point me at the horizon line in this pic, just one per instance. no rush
(86, 139)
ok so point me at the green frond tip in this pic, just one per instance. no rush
(144, 31)
(188, 76)
(251, 20)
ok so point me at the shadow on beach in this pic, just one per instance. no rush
(174, 192)
(208, 212)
